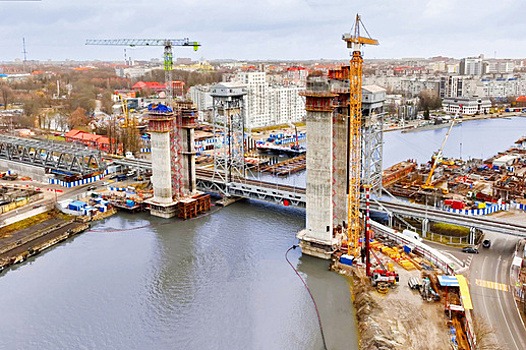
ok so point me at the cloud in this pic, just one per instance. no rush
(264, 29)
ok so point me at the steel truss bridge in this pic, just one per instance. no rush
(64, 158)
(209, 181)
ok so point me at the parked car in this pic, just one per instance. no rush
(486, 243)
(470, 250)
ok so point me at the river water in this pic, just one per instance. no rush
(139, 282)
(216, 282)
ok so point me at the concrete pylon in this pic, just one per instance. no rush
(326, 169)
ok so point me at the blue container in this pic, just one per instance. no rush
(407, 249)
(130, 203)
(346, 259)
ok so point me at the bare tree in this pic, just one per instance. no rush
(6, 93)
(77, 118)
(486, 339)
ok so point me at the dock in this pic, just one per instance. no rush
(287, 167)
(18, 246)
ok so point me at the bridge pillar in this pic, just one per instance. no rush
(325, 191)
(425, 227)
(472, 235)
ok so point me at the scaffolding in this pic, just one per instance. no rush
(229, 131)
(372, 152)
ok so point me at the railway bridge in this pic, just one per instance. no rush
(208, 181)
(57, 157)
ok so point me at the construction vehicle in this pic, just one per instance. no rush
(355, 42)
(382, 278)
(428, 185)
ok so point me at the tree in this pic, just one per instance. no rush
(77, 118)
(429, 99)
(6, 93)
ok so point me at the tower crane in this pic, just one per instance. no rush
(168, 53)
(355, 42)
(176, 147)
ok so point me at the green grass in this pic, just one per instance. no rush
(449, 229)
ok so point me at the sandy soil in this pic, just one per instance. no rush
(400, 319)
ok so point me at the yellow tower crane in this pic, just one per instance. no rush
(355, 42)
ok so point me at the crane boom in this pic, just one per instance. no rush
(438, 159)
(144, 42)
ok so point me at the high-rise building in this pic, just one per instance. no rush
(257, 99)
(472, 66)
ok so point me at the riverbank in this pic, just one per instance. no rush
(412, 125)
(42, 232)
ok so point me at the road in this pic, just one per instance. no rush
(491, 293)
(50, 197)
(494, 302)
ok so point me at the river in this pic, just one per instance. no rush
(140, 282)
(216, 282)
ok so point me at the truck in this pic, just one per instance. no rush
(412, 234)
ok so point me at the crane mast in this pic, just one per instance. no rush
(355, 42)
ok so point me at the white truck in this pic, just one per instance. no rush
(412, 234)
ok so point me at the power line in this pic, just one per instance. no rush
(310, 294)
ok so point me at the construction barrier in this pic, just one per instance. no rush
(75, 183)
(490, 209)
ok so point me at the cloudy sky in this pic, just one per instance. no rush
(263, 29)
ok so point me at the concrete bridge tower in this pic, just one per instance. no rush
(327, 108)
(173, 162)
(161, 125)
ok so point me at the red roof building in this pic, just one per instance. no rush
(151, 85)
(521, 101)
(91, 140)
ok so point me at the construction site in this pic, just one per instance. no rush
(476, 186)
(400, 285)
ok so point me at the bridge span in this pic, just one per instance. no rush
(432, 214)
(296, 196)
(59, 157)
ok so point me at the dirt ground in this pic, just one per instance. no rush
(399, 319)
(511, 216)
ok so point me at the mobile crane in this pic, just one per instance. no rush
(438, 159)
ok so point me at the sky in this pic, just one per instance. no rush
(262, 29)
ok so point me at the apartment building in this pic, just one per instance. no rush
(265, 104)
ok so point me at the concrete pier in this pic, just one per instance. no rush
(326, 171)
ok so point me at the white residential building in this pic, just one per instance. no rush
(270, 105)
(466, 105)
(200, 95)
(257, 99)
(265, 104)
(472, 66)
(286, 104)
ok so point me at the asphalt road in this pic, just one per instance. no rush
(494, 302)
(491, 292)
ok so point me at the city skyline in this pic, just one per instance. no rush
(262, 29)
